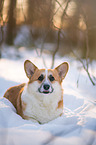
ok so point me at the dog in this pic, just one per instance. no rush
(41, 99)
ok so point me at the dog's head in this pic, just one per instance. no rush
(45, 79)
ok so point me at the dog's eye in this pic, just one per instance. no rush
(51, 78)
(41, 78)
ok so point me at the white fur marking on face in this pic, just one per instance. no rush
(46, 82)
(46, 73)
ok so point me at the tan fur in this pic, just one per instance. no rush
(13, 94)
(41, 71)
(36, 75)
(55, 74)
(60, 104)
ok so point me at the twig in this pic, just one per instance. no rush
(86, 69)
(64, 12)
(23, 11)
(58, 3)
(57, 48)
(86, 38)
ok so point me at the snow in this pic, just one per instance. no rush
(76, 126)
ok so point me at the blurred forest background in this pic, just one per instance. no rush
(68, 25)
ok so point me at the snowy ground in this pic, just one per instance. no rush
(75, 127)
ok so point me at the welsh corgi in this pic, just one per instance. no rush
(41, 99)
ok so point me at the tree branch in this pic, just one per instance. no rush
(57, 48)
(85, 68)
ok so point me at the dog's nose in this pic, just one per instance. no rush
(46, 86)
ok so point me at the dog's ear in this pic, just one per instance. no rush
(62, 70)
(29, 68)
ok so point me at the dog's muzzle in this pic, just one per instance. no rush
(45, 88)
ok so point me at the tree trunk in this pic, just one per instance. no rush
(1, 26)
(40, 13)
(11, 23)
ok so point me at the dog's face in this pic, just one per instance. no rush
(45, 81)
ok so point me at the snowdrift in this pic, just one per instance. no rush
(76, 126)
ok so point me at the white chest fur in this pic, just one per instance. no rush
(39, 106)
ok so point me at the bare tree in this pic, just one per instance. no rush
(59, 29)
(86, 62)
(74, 22)
(86, 52)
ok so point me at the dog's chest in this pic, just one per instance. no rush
(43, 109)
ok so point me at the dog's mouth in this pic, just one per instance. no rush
(45, 91)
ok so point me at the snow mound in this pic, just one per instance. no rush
(76, 126)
